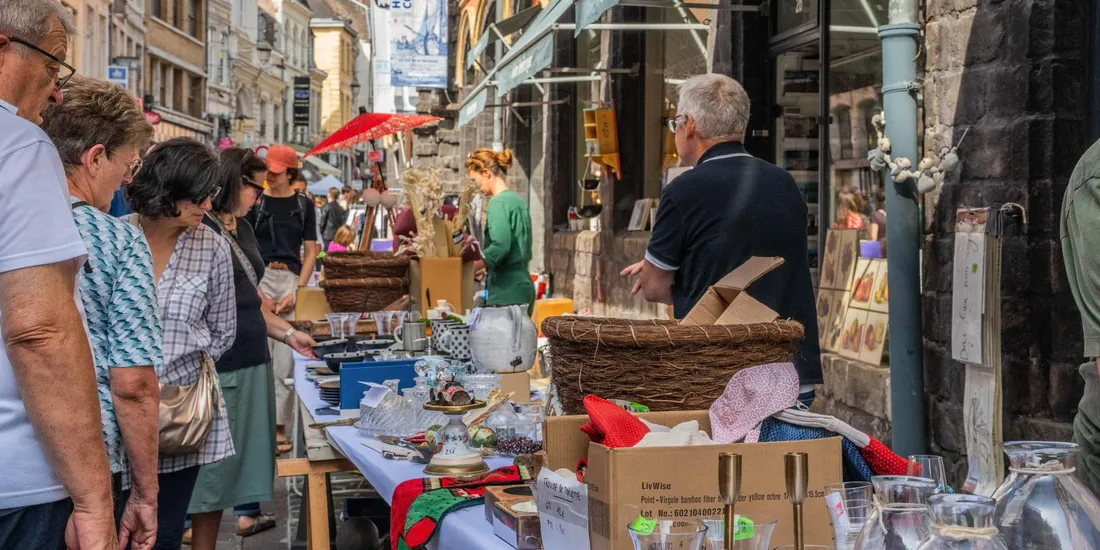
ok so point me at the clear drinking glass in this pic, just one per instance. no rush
(849, 505)
(1042, 504)
(899, 520)
(479, 386)
(962, 522)
(670, 536)
(762, 528)
(336, 325)
(931, 467)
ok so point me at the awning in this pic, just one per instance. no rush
(321, 166)
(533, 52)
(589, 11)
(506, 27)
(473, 107)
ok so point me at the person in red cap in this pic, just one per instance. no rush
(285, 223)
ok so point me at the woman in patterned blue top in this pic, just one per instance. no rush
(193, 266)
(99, 132)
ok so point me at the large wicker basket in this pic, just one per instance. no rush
(661, 364)
(364, 264)
(363, 295)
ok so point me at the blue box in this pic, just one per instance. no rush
(351, 374)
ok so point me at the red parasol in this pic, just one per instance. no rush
(368, 126)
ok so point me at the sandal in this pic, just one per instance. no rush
(263, 523)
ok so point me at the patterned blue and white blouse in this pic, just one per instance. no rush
(198, 311)
(120, 302)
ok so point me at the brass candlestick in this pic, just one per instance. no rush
(797, 480)
(729, 486)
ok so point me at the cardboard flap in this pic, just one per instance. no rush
(745, 310)
(748, 272)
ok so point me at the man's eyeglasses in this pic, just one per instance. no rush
(133, 167)
(213, 193)
(64, 70)
(674, 123)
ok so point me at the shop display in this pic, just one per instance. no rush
(849, 505)
(900, 521)
(1042, 504)
(963, 522)
(393, 415)
(729, 488)
(503, 339)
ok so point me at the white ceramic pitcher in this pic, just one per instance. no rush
(503, 338)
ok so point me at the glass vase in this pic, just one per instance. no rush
(1042, 504)
(963, 522)
(669, 535)
(900, 518)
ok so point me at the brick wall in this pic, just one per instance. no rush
(586, 268)
(1014, 73)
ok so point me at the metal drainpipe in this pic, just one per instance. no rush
(899, 74)
(498, 52)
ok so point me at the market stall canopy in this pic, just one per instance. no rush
(533, 52)
(368, 126)
(497, 31)
(318, 169)
(321, 187)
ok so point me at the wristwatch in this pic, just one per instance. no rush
(289, 332)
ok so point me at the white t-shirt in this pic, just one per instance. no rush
(36, 228)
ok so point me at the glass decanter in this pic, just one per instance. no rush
(1042, 504)
(900, 519)
(962, 522)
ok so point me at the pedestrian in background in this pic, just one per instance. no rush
(192, 264)
(341, 241)
(286, 230)
(1080, 234)
(247, 478)
(333, 217)
(51, 432)
(100, 133)
(728, 208)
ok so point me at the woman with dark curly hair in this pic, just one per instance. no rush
(193, 267)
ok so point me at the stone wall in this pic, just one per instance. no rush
(1013, 72)
(856, 393)
(586, 267)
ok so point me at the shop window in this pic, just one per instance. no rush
(195, 99)
(678, 56)
(843, 120)
(586, 199)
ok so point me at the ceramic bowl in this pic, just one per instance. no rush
(373, 345)
(327, 347)
(333, 360)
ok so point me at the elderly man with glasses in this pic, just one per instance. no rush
(100, 132)
(56, 486)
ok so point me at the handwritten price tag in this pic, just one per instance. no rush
(563, 511)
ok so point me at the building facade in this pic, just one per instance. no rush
(175, 75)
(89, 51)
(127, 41)
(335, 48)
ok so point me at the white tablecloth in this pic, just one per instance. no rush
(307, 390)
(465, 529)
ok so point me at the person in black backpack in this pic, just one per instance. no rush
(333, 217)
(285, 223)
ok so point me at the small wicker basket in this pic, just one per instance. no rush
(661, 364)
(364, 264)
(363, 295)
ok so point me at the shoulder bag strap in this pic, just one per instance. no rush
(241, 256)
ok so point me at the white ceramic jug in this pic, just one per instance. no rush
(503, 338)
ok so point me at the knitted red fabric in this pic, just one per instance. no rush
(610, 425)
(882, 460)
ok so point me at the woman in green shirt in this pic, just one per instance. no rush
(506, 249)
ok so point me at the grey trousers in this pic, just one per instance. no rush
(277, 283)
(1086, 429)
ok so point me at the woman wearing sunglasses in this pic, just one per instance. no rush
(193, 268)
(244, 480)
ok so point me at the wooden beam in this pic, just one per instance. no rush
(317, 488)
(292, 467)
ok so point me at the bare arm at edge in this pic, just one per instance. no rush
(52, 362)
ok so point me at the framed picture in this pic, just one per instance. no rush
(874, 338)
(880, 295)
(639, 219)
(851, 333)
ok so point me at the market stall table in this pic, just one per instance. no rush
(460, 530)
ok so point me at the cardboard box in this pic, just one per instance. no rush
(682, 482)
(518, 384)
(311, 304)
(727, 303)
(439, 279)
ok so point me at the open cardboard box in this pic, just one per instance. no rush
(682, 482)
(727, 303)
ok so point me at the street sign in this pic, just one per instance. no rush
(118, 74)
(301, 101)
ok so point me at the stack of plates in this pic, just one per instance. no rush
(330, 392)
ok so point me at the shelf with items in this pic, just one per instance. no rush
(601, 137)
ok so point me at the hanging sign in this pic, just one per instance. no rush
(301, 101)
(418, 43)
